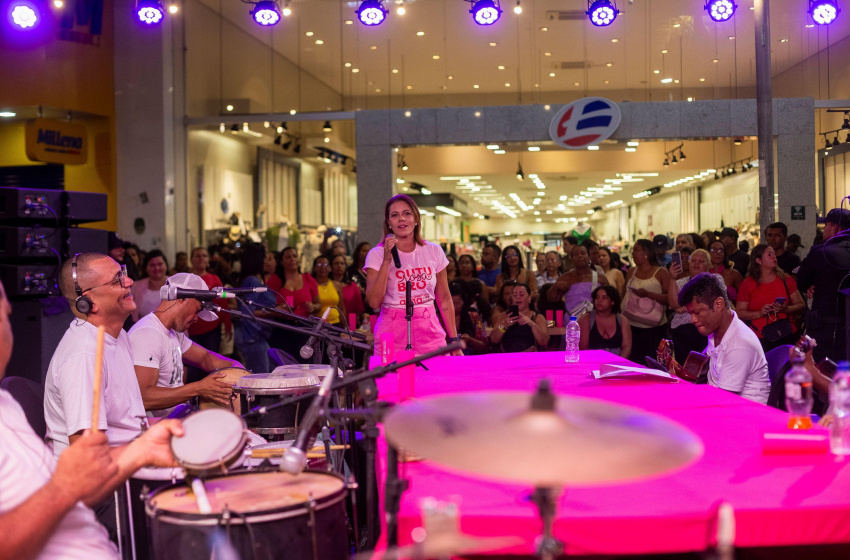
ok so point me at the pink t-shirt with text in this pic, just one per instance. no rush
(420, 267)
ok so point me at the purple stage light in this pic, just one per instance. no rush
(371, 12)
(602, 12)
(265, 13)
(25, 15)
(485, 12)
(149, 11)
(823, 12)
(720, 10)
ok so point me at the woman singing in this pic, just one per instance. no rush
(424, 264)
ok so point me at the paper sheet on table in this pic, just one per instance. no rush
(622, 371)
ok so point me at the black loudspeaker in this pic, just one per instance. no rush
(37, 325)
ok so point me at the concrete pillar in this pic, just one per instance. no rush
(150, 137)
(376, 174)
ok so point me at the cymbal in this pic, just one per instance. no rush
(578, 441)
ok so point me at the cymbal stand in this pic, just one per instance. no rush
(547, 547)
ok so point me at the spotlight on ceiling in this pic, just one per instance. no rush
(517, 8)
(371, 12)
(327, 127)
(266, 13)
(485, 12)
(297, 148)
(720, 10)
(149, 11)
(404, 166)
(846, 125)
(717, 177)
(519, 174)
(286, 144)
(836, 142)
(666, 162)
(278, 140)
(602, 12)
(25, 15)
(674, 161)
(682, 156)
(823, 12)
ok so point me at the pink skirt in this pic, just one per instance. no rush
(428, 334)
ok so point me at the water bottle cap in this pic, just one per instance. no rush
(572, 318)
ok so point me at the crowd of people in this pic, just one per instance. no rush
(626, 303)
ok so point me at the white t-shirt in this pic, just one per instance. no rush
(26, 464)
(420, 267)
(146, 300)
(738, 364)
(156, 347)
(69, 386)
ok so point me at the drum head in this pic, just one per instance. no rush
(252, 493)
(319, 370)
(212, 438)
(285, 380)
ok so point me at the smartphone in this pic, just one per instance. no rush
(677, 258)
(513, 310)
(780, 301)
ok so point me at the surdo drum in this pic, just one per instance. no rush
(262, 515)
(266, 389)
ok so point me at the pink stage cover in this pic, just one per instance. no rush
(778, 499)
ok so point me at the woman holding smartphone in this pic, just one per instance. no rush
(520, 329)
(768, 295)
(424, 265)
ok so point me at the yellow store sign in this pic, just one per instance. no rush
(56, 142)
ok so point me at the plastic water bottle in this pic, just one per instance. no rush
(798, 393)
(573, 336)
(839, 407)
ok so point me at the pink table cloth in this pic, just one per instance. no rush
(778, 499)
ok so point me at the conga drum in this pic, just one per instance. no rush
(231, 375)
(267, 389)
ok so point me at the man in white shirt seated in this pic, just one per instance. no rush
(160, 346)
(737, 359)
(44, 503)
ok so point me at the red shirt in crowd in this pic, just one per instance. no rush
(299, 298)
(758, 295)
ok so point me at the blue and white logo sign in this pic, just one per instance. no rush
(585, 122)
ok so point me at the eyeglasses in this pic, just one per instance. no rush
(119, 279)
(717, 249)
(322, 265)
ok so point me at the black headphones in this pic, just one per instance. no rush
(83, 304)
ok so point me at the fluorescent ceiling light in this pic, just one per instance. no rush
(534, 148)
(500, 152)
(593, 148)
(492, 146)
(448, 211)
(425, 191)
(466, 177)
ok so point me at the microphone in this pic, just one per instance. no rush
(221, 290)
(171, 293)
(294, 460)
(307, 350)
(396, 258)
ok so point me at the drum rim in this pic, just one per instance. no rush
(195, 519)
(274, 390)
(223, 462)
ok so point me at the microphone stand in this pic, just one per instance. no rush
(408, 314)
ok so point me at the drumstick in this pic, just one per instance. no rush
(98, 376)
(201, 495)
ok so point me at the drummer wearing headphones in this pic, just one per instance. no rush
(99, 291)
(160, 346)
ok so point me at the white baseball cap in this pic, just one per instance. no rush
(189, 281)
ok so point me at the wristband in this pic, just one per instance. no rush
(454, 339)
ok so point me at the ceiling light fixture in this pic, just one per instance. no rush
(517, 8)
(327, 127)
(720, 10)
(521, 176)
(602, 12)
(371, 12)
(485, 12)
(266, 13)
(148, 11)
(823, 12)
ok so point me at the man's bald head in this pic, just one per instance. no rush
(88, 275)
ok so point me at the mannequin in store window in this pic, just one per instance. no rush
(582, 231)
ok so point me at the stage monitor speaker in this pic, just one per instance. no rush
(27, 243)
(29, 280)
(38, 326)
(47, 206)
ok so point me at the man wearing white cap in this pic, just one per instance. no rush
(160, 346)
